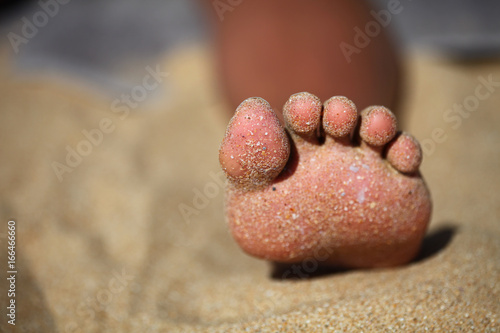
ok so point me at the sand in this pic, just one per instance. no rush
(126, 242)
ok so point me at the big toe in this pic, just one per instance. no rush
(255, 147)
(405, 153)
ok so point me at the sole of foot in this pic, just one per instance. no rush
(333, 186)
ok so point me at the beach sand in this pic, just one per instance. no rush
(133, 237)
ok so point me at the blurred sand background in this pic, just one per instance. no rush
(106, 249)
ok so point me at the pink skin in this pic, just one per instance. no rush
(332, 201)
(255, 148)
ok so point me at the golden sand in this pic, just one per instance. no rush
(133, 239)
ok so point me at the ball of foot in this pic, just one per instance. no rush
(311, 191)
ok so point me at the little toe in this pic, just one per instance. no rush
(378, 127)
(255, 148)
(404, 153)
(339, 118)
(302, 115)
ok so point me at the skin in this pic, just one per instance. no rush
(275, 48)
(310, 192)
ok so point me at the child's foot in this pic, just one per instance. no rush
(315, 194)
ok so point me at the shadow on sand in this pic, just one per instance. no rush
(434, 242)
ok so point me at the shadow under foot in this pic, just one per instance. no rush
(433, 243)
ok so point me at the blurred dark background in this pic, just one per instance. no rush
(94, 39)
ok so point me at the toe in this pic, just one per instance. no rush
(339, 117)
(404, 153)
(378, 126)
(302, 114)
(255, 147)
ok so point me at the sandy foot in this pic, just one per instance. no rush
(324, 187)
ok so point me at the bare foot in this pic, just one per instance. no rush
(313, 193)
